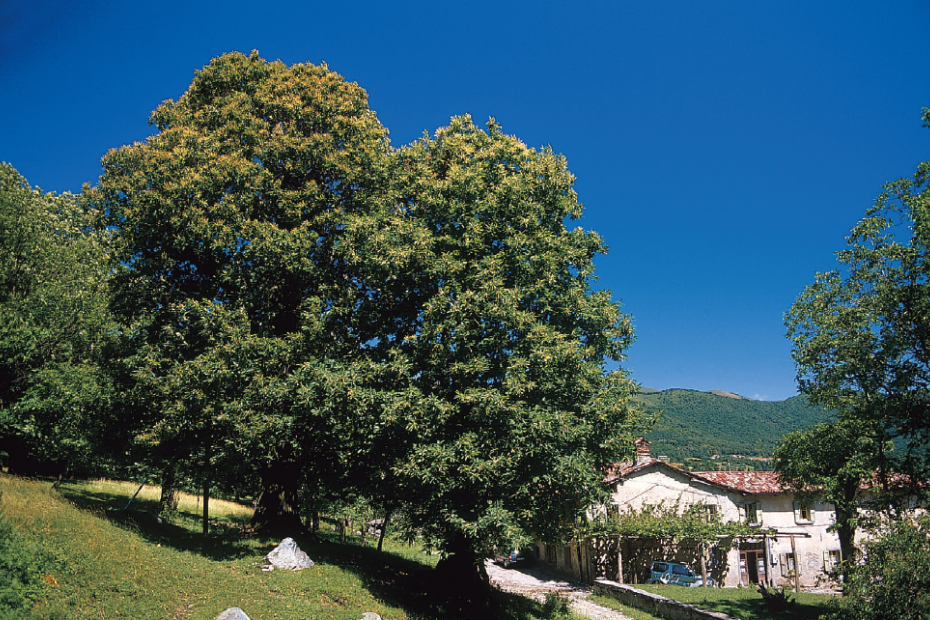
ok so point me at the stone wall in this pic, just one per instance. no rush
(655, 604)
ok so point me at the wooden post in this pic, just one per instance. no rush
(619, 559)
(701, 549)
(765, 556)
(797, 567)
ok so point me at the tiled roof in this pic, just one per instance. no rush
(756, 482)
(615, 471)
(753, 482)
(744, 481)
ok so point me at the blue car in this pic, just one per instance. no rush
(677, 574)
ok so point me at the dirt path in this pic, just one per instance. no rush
(537, 584)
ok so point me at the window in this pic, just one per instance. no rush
(803, 513)
(832, 559)
(788, 565)
(752, 513)
(705, 512)
(681, 570)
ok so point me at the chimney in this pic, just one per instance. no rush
(642, 451)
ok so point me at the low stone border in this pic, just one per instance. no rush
(655, 604)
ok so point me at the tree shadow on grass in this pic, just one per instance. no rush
(394, 580)
(419, 589)
(226, 541)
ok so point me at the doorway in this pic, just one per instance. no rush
(751, 563)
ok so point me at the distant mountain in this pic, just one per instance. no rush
(694, 426)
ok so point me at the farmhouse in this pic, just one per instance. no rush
(792, 547)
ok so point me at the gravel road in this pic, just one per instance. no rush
(537, 584)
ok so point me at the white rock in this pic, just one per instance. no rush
(370, 615)
(233, 613)
(288, 556)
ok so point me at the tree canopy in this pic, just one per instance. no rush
(230, 271)
(505, 339)
(52, 324)
(861, 343)
(830, 462)
(416, 324)
(861, 334)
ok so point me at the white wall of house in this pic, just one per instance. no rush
(661, 485)
(766, 558)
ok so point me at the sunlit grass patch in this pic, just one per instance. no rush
(114, 494)
(98, 561)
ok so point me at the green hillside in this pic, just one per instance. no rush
(693, 426)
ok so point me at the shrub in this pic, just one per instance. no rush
(895, 581)
(21, 569)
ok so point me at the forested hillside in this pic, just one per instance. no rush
(694, 426)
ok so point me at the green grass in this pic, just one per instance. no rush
(95, 561)
(743, 603)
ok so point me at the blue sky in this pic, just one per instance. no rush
(723, 149)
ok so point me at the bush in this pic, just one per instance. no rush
(895, 580)
(21, 570)
(556, 606)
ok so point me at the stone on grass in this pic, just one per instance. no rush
(233, 613)
(288, 556)
(370, 615)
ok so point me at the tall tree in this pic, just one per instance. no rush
(506, 342)
(861, 334)
(228, 246)
(861, 344)
(52, 323)
(831, 462)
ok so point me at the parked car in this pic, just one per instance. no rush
(677, 574)
(525, 557)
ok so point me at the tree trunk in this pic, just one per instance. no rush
(278, 509)
(170, 495)
(61, 476)
(387, 516)
(847, 536)
(462, 570)
(206, 506)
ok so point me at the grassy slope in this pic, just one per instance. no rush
(700, 424)
(98, 563)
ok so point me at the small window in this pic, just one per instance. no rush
(803, 513)
(788, 564)
(832, 559)
(753, 513)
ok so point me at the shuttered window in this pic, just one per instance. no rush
(788, 564)
(832, 559)
(803, 513)
(752, 513)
